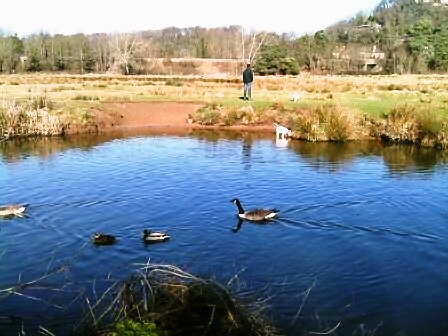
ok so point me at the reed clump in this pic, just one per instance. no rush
(169, 301)
(333, 122)
(31, 118)
(325, 122)
(157, 300)
(405, 123)
(207, 115)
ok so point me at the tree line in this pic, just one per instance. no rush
(399, 36)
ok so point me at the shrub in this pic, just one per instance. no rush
(30, 118)
(391, 87)
(401, 113)
(40, 102)
(231, 117)
(337, 124)
(85, 97)
(429, 123)
(174, 82)
(306, 123)
(278, 106)
(324, 122)
(206, 116)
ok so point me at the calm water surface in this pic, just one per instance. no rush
(362, 240)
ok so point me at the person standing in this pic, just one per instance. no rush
(248, 78)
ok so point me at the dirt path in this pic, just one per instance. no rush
(111, 116)
(155, 115)
(164, 117)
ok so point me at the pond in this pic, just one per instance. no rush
(360, 244)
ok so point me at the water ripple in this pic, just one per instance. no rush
(363, 234)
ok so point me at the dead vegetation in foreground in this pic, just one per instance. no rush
(179, 303)
(157, 300)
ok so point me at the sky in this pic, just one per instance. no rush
(25, 17)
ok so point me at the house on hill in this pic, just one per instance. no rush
(371, 59)
(433, 2)
(359, 60)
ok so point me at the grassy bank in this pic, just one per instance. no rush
(407, 108)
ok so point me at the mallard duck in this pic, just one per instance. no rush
(255, 215)
(12, 210)
(100, 238)
(152, 237)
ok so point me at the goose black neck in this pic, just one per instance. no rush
(239, 206)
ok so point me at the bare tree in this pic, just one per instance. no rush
(124, 46)
(254, 41)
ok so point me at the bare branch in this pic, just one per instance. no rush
(254, 46)
(251, 47)
(242, 42)
(258, 48)
(125, 45)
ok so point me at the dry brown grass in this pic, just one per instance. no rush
(197, 87)
(185, 304)
(406, 123)
(32, 119)
(178, 303)
(348, 101)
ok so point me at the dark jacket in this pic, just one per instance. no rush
(248, 76)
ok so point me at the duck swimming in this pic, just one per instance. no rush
(12, 210)
(100, 238)
(152, 237)
(255, 215)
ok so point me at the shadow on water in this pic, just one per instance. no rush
(239, 224)
(332, 157)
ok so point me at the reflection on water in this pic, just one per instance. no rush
(398, 158)
(361, 235)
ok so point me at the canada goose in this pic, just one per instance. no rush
(255, 215)
(152, 237)
(12, 210)
(100, 238)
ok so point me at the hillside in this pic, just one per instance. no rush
(409, 36)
